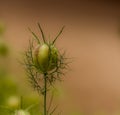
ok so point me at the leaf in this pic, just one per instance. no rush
(53, 110)
(51, 100)
(43, 36)
(58, 34)
(34, 35)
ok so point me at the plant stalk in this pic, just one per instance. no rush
(45, 95)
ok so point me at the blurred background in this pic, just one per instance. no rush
(91, 38)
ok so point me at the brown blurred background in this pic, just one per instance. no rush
(91, 38)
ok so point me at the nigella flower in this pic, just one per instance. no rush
(44, 65)
(44, 59)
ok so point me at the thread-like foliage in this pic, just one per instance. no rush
(35, 74)
(43, 80)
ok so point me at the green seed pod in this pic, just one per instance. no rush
(53, 57)
(35, 55)
(13, 101)
(45, 57)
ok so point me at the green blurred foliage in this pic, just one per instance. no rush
(3, 45)
(3, 49)
(2, 28)
(7, 87)
(10, 90)
(21, 112)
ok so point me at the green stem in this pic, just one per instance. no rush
(45, 95)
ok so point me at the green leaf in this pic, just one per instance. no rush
(34, 35)
(58, 34)
(43, 36)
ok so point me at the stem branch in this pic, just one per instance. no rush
(45, 95)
